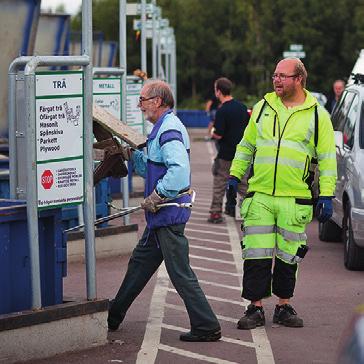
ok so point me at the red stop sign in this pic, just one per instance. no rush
(47, 179)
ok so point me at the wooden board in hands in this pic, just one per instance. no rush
(116, 127)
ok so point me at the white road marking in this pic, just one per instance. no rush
(205, 232)
(211, 249)
(211, 259)
(215, 271)
(263, 348)
(226, 339)
(219, 299)
(149, 349)
(189, 354)
(206, 225)
(219, 285)
(208, 240)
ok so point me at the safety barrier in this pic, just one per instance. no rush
(193, 118)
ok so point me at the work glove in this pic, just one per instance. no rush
(150, 203)
(324, 208)
(126, 153)
(231, 191)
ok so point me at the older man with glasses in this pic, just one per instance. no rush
(287, 129)
(166, 168)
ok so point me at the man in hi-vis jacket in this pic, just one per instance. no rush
(287, 129)
(166, 168)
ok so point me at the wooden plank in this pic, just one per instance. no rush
(118, 128)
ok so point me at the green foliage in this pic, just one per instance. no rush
(244, 39)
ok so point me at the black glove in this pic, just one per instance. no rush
(231, 193)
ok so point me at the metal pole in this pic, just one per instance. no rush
(174, 69)
(143, 43)
(159, 53)
(123, 65)
(88, 205)
(32, 203)
(154, 40)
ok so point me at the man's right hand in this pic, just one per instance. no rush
(126, 152)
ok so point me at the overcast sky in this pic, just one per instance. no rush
(72, 6)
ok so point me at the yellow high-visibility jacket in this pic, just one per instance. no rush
(281, 145)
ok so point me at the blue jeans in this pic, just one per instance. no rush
(168, 244)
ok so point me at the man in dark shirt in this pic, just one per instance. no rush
(230, 122)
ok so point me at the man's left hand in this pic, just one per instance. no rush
(150, 203)
(324, 208)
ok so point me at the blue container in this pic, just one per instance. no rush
(193, 118)
(4, 183)
(15, 282)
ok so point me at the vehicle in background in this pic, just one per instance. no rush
(358, 67)
(321, 98)
(347, 222)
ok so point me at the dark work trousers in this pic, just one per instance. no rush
(170, 244)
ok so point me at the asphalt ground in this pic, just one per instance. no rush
(325, 297)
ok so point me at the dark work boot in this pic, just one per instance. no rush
(114, 321)
(286, 316)
(253, 317)
(209, 336)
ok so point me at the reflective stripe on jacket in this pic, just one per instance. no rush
(282, 146)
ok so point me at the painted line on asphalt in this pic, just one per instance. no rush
(219, 285)
(149, 349)
(218, 299)
(263, 348)
(214, 271)
(194, 212)
(226, 339)
(211, 259)
(210, 249)
(208, 240)
(206, 232)
(190, 354)
(206, 225)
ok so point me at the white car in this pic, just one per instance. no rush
(347, 222)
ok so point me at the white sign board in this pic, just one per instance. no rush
(59, 135)
(295, 54)
(134, 117)
(107, 94)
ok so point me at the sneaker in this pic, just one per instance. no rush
(215, 218)
(286, 316)
(253, 317)
(212, 336)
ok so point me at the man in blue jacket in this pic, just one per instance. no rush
(166, 169)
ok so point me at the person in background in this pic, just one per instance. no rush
(230, 122)
(166, 168)
(210, 108)
(338, 88)
(280, 143)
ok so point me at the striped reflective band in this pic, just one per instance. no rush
(326, 173)
(243, 156)
(323, 156)
(281, 160)
(287, 257)
(270, 229)
(245, 144)
(255, 230)
(291, 236)
(297, 146)
(257, 253)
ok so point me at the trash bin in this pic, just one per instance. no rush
(15, 280)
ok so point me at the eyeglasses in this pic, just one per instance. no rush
(142, 99)
(282, 76)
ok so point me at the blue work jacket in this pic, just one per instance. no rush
(166, 168)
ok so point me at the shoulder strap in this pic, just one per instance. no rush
(316, 127)
(261, 111)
